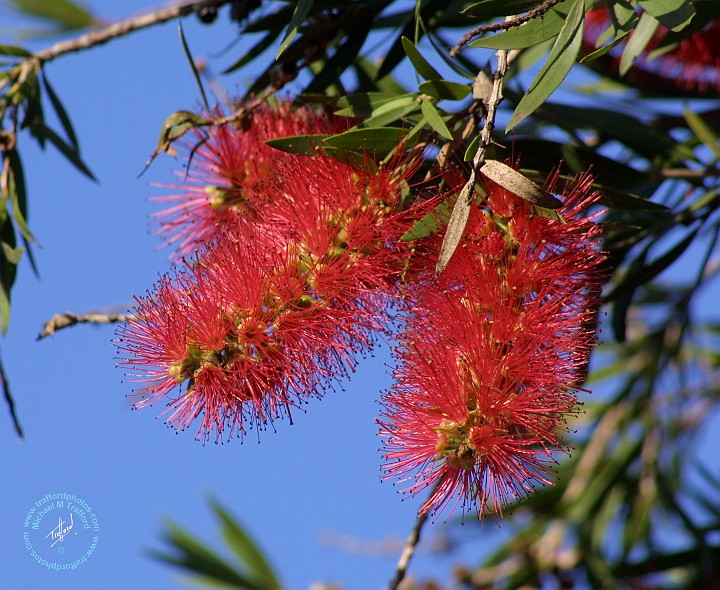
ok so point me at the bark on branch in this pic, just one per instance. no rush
(125, 27)
(67, 319)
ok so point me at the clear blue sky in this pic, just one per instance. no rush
(298, 491)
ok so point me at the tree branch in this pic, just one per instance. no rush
(67, 319)
(408, 551)
(461, 210)
(125, 27)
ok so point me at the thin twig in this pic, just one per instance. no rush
(119, 29)
(408, 551)
(10, 402)
(67, 319)
(461, 211)
(503, 26)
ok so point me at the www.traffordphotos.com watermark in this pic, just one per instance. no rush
(61, 531)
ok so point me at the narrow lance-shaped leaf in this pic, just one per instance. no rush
(513, 181)
(674, 14)
(444, 90)
(392, 111)
(193, 67)
(435, 120)
(624, 18)
(69, 15)
(302, 9)
(192, 555)
(254, 52)
(490, 8)
(10, 402)
(71, 154)
(560, 62)
(644, 31)
(9, 258)
(246, 550)
(420, 64)
(14, 51)
(531, 33)
(376, 139)
(18, 195)
(305, 145)
(431, 223)
(703, 132)
(647, 273)
(61, 113)
(367, 104)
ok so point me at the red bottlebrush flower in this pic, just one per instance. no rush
(279, 308)
(220, 347)
(229, 173)
(689, 66)
(491, 354)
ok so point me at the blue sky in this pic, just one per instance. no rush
(302, 492)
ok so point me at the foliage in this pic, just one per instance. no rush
(628, 479)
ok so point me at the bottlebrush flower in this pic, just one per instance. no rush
(491, 355)
(228, 173)
(281, 306)
(689, 67)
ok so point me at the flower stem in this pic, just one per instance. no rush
(408, 551)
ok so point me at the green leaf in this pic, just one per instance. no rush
(9, 258)
(644, 32)
(367, 104)
(647, 272)
(703, 132)
(18, 195)
(391, 112)
(67, 14)
(641, 136)
(193, 67)
(192, 555)
(302, 10)
(355, 159)
(674, 14)
(61, 113)
(611, 197)
(531, 33)
(70, 153)
(380, 140)
(367, 76)
(442, 89)
(255, 51)
(246, 550)
(304, 145)
(345, 54)
(175, 126)
(603, 50)
(624, 18)
(12, 255)
(14, 51)
(490, 8)
(460, 64)
(472, 149)
(431, 223)
(435, 120)
(10, 402)
(556, 68)
(420, 64)
(409, 21)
